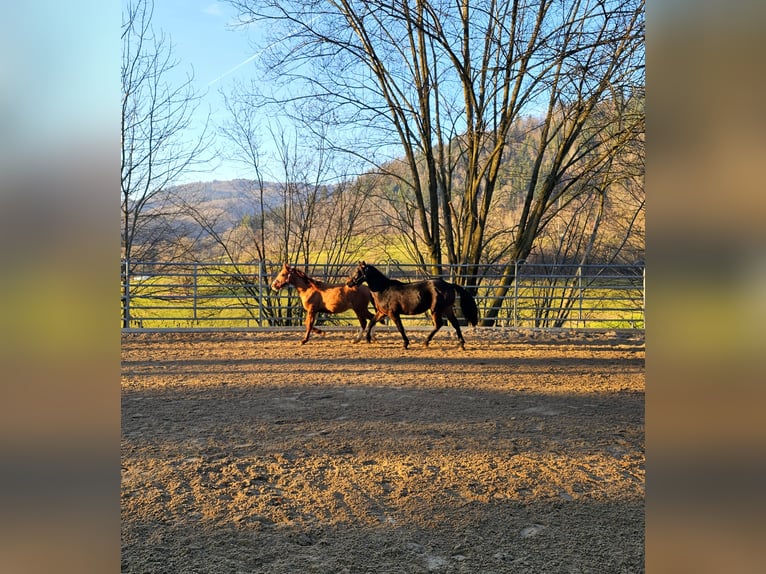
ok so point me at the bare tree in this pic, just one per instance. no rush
(314, 211)
(447, 82)
(575, 162)
(291, 213)
(242, 131)
(156, 119)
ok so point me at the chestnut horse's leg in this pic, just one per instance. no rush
(310, 318)
(359, 304)
(362, 316)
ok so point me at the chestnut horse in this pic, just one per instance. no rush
(318, 297)
(394, 298)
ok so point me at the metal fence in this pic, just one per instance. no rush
(197, 295)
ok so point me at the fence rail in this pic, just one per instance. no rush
(170, 296)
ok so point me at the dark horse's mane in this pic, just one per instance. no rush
(378, 279)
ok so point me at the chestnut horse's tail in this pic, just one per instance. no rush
(468, 305)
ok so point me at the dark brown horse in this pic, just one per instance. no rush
(394, 298)
(317, 297)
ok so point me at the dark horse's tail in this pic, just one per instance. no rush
(468, 305)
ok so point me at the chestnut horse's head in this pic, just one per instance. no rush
(285, 277)
(359, 276)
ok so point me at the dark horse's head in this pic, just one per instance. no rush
(284, 277)
(359, 276)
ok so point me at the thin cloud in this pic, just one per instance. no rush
(235, 68)
(254, 56)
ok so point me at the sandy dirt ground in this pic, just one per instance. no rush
(248, 452)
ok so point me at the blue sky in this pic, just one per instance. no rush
(206, 43)
(204, 38)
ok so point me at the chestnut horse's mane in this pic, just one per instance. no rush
(307, 279)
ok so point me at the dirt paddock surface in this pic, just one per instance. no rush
(248, 452)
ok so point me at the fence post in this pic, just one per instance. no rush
(194, 292)
(580, 289)
(261, 273)
(643, 295)
(126, 297)
(515, 293)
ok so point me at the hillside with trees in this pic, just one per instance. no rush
(596, 219)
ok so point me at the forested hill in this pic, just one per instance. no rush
(236, 197)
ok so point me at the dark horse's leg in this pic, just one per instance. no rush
(378, 316)
(456, 324)
(436, 316)
(398, 322)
